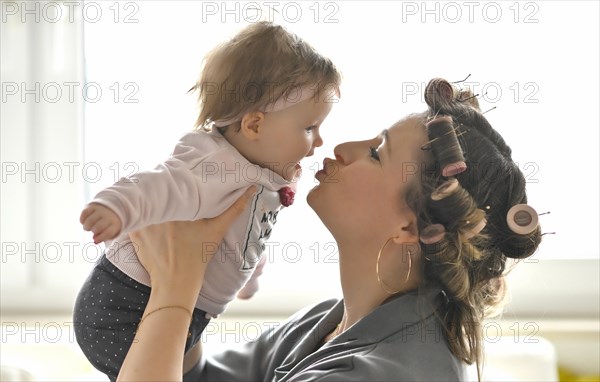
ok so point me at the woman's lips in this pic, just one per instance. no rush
(327, 162)
(319, 174)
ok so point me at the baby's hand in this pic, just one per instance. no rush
(243, 296)
(101, 220)
(248, 290)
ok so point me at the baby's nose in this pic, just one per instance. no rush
(318, 141)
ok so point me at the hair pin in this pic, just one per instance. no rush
(458, 82)
(461, 133)
(432, 117)
(466, 99)
(489, 110)
(427, 145)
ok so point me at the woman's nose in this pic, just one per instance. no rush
(345, 152)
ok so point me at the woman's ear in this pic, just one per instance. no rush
(406, 230)
(251, 124)
(408, 239)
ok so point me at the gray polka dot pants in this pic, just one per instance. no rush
(107, 310)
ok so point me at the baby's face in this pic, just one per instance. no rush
(292, 134)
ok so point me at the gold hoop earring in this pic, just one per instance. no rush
(381, 282)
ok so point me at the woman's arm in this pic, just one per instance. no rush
(175, 254)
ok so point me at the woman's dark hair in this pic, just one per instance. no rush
(470, 268)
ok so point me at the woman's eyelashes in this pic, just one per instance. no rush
(374, 153)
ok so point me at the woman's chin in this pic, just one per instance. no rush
(314, 199)
(319, 203)
(310, 197)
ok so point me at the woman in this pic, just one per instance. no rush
(425, 216)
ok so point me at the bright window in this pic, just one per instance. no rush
(525, 58)
(520, 56)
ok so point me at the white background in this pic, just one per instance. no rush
(538, 62)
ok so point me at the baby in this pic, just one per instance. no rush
(263, 96)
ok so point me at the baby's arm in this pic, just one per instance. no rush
(169, 192)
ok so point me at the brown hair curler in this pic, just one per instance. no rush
(439, 93)
(445, 146)
(522, 219)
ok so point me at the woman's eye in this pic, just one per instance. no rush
(374, 153)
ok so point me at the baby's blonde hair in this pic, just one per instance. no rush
(259, 65)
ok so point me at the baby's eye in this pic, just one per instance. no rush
(374, 153)
(309, 129)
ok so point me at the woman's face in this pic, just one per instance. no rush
(361, 193)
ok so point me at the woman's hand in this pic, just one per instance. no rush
(175, 254)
